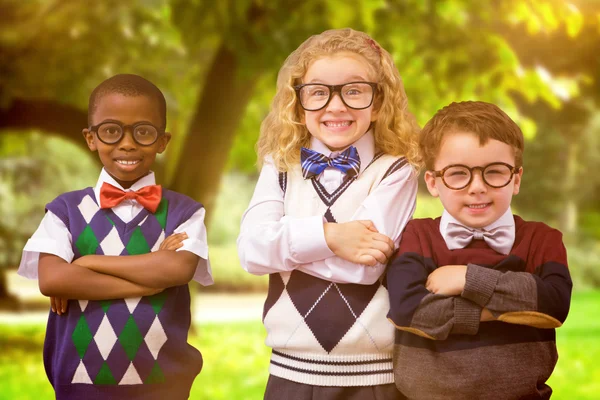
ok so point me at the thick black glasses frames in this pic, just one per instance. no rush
(147, 138)
(333, 89)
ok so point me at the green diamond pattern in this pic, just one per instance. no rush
(105, 304)
(105, 377)
(82, 336)
(131, 338)
(87, 243)
(158, 301)
(137, 243)
(156, 375)
(161, 212)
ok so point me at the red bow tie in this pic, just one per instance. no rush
(148, 196)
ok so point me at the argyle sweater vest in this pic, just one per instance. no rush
(134, 348)
(324, 333)
(442, 351)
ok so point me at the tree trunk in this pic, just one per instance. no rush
(568, 216)
(221, 106)
(7, 301)
(3, 283)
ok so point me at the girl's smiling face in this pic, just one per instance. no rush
(337, 125)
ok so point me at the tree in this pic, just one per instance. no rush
(558, 179)
(216, 63)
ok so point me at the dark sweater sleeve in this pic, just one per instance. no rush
(540, 299)
(412, 307)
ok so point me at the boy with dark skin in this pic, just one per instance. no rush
(124, 334)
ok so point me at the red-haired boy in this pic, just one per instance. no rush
(476, 294)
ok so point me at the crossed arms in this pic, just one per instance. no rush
(436, 302)
(351, 252)
(97, 277)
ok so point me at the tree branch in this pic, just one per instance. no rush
(46, 115)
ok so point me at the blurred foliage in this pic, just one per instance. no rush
(583, 264)
(235, 193)
(216, 62)
(29, 178)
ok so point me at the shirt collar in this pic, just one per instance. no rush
(144, 181)
(507, 219)
(365, 147)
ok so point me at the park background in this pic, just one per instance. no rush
(216, 62)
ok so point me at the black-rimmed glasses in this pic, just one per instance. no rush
(355, 95)
(111, 132)
(458, 176)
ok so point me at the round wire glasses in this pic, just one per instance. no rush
(458, 176)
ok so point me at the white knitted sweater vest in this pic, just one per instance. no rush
(323, 333)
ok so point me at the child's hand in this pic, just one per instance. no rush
(358, 242)
(59, 305)
(173, 242)
(448, 280)
(486, 315)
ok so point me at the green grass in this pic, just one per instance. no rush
(236, 360)
(577, 375)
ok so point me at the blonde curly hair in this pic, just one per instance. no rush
(282, 132)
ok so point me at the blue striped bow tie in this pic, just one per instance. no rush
(313, 163)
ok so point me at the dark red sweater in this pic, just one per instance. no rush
(442, 350)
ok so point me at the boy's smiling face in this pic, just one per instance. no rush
(478, 204)
(126, 160)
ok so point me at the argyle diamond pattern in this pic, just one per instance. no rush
(327, 309)
(82, 336)
(111, 334)
(118, 347)
(87, 243)
(90, 240)
(112, 243)
(137, 243)
(131, 376)
(131, 338)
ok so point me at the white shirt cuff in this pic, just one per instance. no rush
(203, 274)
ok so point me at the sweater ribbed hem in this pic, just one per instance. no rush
(325, 370)
(466, 317)
(480, 283)
(179, 390)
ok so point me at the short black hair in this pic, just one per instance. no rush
(128, 85)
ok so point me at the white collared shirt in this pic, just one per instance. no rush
(507, 219)
(53, 237)
(284, 240)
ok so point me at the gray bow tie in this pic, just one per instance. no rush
(499, 239)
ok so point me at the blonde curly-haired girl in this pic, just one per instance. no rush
(339, 151)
